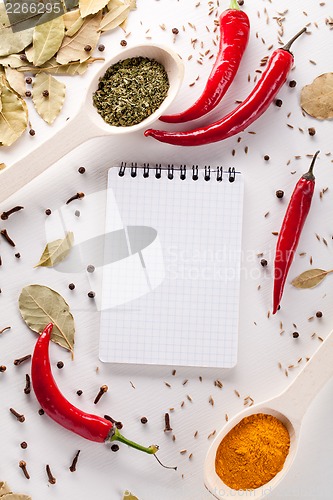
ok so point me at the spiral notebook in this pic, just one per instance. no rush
(171, 274)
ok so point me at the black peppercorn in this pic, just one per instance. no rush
(23, 57)
(28, 93)
(81, 170)
(101, 47)
(295, 335)
(266, 157)
(24, 445)
(90, 268)
(18, 255)
(28, 80)
(71, 286)
(279, 193)
(48, 211)
(263, 262)
(175, 31)
(60, 365)
(87, 48)
(45, 93)
(278, 103)
(319, 314)
(91, 294)
(292, 83)
(144, 420)
(79, 392)
(32, 132)
(123, 43)
(312, 131)
(115, 447)
(41, 411)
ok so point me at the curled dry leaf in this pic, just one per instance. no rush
(70, 17)
(13, 116)
(72, 48)
(51, 66)
(50, 106)
(47, 39)
(56, 251)
(12, 42)
(310, 278)
(76, 26)
(16, 80)
(40, 305)
(14, 61)
(88, 7)
(7, 494)
(114, 18)
(317, 98)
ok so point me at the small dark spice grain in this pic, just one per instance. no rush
(71, 286)
(263, 262)
(81, 170)
(4, 329)
(5, 215)
(28, 93)
(79, 392)
(278, 103)
(319, 314)
(144, 420)
(123, 43)
(23, 57)
(77, 213)
(48, 211)
(50, 476)
(45, 93)
(295, 335)
(167, 427)
(28, 80)
(60, 365)
(24, 445)
(41, 411)
(18, 255)
(292, 83)
(279, 193)
(23, 466)
(175, 31)
(19, 361)
(32, 132)
(90, 268)
(27, 388)
(114, 447)
(72, 467)
(130, 91)
(87, 48)
(3, 368)
(91, 295)
(101, 47)
(312, 131)
(266, 157)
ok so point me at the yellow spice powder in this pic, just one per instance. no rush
(253, 452)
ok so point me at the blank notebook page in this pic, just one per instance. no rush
(171, 273)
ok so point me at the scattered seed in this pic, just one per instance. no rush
(292, 83)
(50, 476)
(173, 372)
(24, 445)
(182, 452)
(278, 103)
(60, 365)
(41, 411)
(28, 80)
(319, 314)
(3, 368)
(321, 339)
(103, 389)
(79, 392)
(91, 294)
(211, 401)
(20, 417)
(266, 157)
(263, 262)
(144, 420)
(71, 286)
(167, 427)
(5, 329)
(18, 255)
(123, 43)
(218, 383)
(312, 131)
(133, 386)
(167, 384)
(211, 434)
(45, 93)
(19, 361)
(101, 47)
(279, 193)
(23, 466)
(237, 393)
(189, 398)
(27, 388)
(295, 335)
(185, 381)
(195, 434)
(72, 468)
(175, 31)
(90, 268)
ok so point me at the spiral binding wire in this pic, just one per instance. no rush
(183, 170)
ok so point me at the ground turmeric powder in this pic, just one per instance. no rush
(253, 452)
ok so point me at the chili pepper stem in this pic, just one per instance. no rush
(289, 44)
(234, 5)
(116, 436)
(309, 174)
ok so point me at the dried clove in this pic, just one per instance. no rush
(102, 390)
(19, 417)
(7, 237)
(167, 427)
(27, 388)
(72, 468)
(50, 476)
(76, 196)
(23, 466)
(5, 215)
(19, 361)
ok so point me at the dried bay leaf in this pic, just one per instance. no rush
(75, 27)
(310, 278)
(72, 48)
(40, 305)
(56, 251)
(88, 7)
(47, 38)
(48, 107)
(13, 116)
(15, 496)
(12, 43)
(114, 18)
(317, 98)
(16, 80)
(51, 66)
(129, 496)
(13, 60)
(70, 17)
(4, 488)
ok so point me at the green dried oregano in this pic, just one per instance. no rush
(130, 91)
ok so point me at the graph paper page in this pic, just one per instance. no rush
(171, 273)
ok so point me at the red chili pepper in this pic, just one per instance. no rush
(246, 113)
(57, 407)
(291, 229)
(234, 36)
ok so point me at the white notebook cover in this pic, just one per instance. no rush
(171, 273)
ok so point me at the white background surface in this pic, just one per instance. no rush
(261, 346)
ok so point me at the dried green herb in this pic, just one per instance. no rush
(130, 91)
